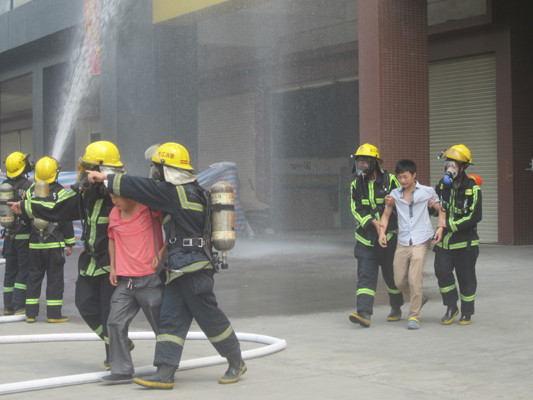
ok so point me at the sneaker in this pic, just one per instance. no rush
(116, 379)
(59, 319)
(465, 320)
(362, 318)
(30, 320)
(20, 311)
(395, 314)
(413, 324)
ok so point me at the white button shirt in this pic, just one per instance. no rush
(414, 223)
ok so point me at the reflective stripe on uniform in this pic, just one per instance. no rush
(20, 286)
(170, 338)
(43, 246)
(32, 301)
(185, 203)
(189, 269)
(8, 289)
(116, 184)
(222, 336)
(99, 330)
(393, 291)
(468, 298)
(54, 302)
(447, 289)
(22, 236)
(370, 292)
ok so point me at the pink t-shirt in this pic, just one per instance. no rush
(134, 241)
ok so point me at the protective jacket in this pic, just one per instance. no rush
(184, 204)
(368, 202)
(93, 206)
(58, 234)
(20, 184)
(463, 212)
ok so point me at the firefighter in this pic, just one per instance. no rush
(16, 241)
(47, 243)
(92, 205)
(368, 190)
(173, 188)
(460, 198)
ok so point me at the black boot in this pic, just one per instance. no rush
(465, 320)
(395, 314)
(361, 317)
(451, 313)
(162, 379)
(236, 368)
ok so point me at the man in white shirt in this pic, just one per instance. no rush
(415, 232)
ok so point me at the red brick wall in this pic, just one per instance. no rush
(394, 81)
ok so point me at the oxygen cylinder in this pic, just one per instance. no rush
(7, 216)
(41, 190)
(223, 219)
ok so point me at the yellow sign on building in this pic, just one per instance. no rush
(181, 12)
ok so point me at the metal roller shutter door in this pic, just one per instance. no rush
(226, 132)
(462, 95)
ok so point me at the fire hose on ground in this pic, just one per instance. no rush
(273, 345)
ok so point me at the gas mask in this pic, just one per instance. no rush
(451, 171)
(82, 180)
(156, 172)
(364, 166)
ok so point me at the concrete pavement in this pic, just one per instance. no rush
(301, 288)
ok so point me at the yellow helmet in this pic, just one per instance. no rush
(368, 150)
(101, 153)
(47, 169)
(459, 153)
(172, 155)
(16, 164)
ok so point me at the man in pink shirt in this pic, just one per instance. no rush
(133, 270)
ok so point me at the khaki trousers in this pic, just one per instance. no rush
(408, 274)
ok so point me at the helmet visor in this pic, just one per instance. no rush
(151, 152)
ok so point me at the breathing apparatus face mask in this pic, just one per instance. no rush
(82, 180)
(451, 171)
(364, 166)
(156, 172)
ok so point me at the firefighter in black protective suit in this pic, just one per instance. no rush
(92, 204)
(368, 191)
(16, 241)
(47, 243)
(460, 197)
(174, 190)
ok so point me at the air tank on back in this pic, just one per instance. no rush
(41, 191)
(7, 216)
(223, 219)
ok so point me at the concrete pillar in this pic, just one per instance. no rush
(394, 80)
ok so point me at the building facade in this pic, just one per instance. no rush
(285, 89)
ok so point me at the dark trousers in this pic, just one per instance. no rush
(17, 255)
(50, 262)
(93, 301)
(463, 261)
(145, 292)
(186, 297)
(369, 259)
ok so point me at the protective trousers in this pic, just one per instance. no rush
(464, 262)
(93, 299)
(132, 294)
(51, 262)
(17, 255)
(369, 259)
(187, 297)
